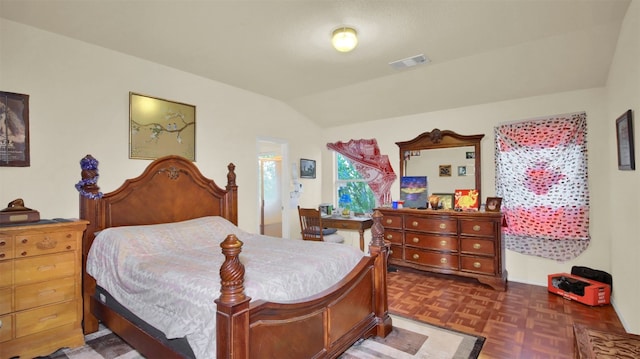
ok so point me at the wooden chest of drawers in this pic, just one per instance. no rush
(467, 244)
(40, 288)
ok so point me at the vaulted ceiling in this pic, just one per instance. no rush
(480, 51)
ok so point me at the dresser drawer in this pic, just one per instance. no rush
(477, 246)
(392, 221)
(6, 247)
(478, 264)
(43, 243)
(6, 296)
(37, 320)
(53, 291)
(6, 328)
(430, 241)
(395, 252)
(433, 259)
(432, 225)
(6, 273)
(393, 236)
(477, 227)
(42, 268)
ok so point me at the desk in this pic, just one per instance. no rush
(350, 223)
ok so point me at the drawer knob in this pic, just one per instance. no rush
(477, 265)
(415, 256)
(69, 235)
(476, 227)
(416, 239)
(476, 246)
(443, 243)
(389, 221)
(414, 223)
(389, 236)
(23, 253)
(68, 247)
(1, 255)
(443, 226)
(443, 260)
(2, 243)
(24, 241)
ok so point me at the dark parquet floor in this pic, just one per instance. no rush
(525, 322)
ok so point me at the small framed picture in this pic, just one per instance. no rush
(462, 170)
(307, 168)
(445, 170)
(470, 155)
(624, 136)
(493, 204)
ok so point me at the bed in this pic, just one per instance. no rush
(172, 190)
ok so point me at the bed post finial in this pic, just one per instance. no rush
(377, 230)
(231, 176)
(88, 184)
(231, 271)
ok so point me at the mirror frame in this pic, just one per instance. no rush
(444, 139)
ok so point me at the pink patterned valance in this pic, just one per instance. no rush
(370, 164)
(541, 174)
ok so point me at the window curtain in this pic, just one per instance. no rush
(541, 174)
(373, 167)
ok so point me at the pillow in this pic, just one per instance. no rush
(325, 231)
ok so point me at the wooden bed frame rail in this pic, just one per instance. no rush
(172, 189)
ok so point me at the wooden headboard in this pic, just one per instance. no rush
(170, 189)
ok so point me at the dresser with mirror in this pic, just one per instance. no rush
(462, 243)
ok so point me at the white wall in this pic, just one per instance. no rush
(623, 93)
(79, 104)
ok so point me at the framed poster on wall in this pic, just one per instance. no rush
(14, 130)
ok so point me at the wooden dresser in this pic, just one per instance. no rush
(467, 244)
(40, 288)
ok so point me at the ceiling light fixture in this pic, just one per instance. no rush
(344, 39)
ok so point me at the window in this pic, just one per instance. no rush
(350, 185)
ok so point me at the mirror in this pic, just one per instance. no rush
(449, 160)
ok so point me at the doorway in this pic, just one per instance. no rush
(271, 175)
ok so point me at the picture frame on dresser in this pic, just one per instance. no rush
(14, 130)
(493, 204)
(446, 200)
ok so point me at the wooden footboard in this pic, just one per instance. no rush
(322, 326)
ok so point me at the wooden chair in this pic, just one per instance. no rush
(311, 227)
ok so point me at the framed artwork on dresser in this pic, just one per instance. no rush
(14, 130)
(159, 128)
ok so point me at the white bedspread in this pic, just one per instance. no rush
(168, 274)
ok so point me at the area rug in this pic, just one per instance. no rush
(409, 339)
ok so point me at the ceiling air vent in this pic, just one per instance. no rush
(409, 62)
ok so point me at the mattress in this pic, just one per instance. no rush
(168, 274)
